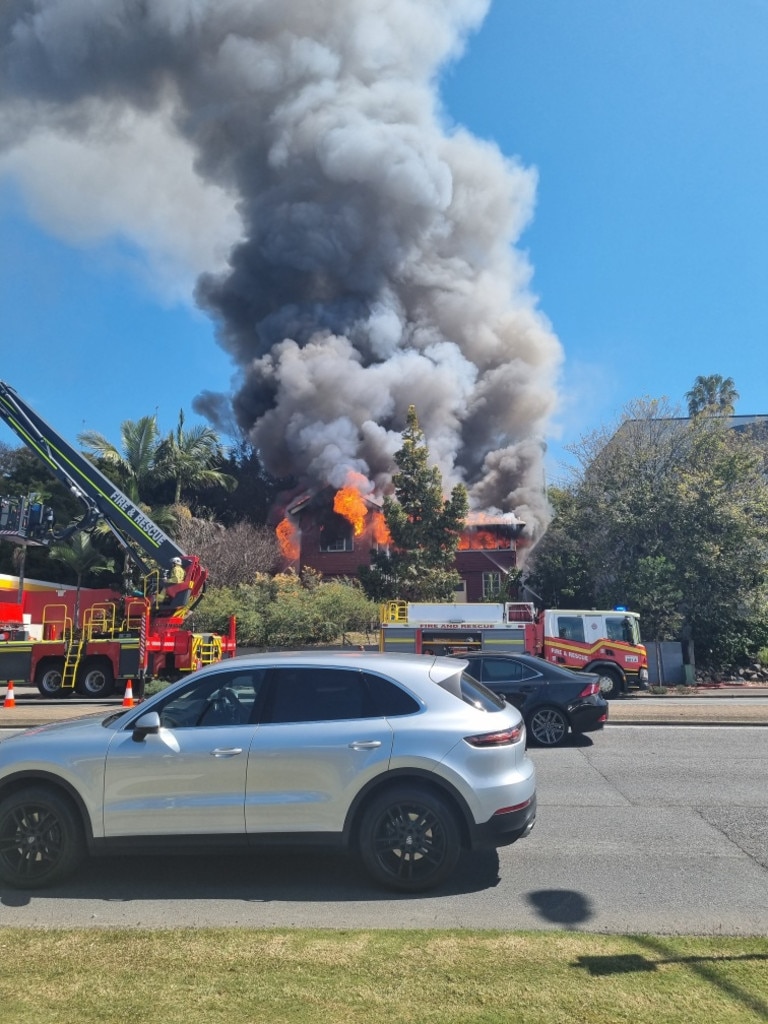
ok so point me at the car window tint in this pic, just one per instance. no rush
(221, 698)
(318, 695)
(389, 699)
(497, 670)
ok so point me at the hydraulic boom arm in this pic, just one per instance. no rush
(141, 538)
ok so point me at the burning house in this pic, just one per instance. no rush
(334, 533)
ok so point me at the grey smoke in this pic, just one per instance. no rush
(356, 251)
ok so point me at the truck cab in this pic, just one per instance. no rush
(606, 642)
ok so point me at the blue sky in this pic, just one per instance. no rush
(647, 123)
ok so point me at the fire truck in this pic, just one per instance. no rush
(90, 641)
(604, 642)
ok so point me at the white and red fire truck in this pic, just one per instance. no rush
(605, 642)
(65, 640)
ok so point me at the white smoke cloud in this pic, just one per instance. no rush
(130, 176)
(372, 261)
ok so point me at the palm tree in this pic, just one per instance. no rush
(712, 393)
(134, 467)
(136, 462)
(82, 556)
(190, 458)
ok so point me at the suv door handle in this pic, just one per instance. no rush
(226, 751)
(365, 744)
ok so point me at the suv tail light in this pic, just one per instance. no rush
(497, 739)
(590, 690)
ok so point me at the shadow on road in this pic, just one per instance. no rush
(565, 907)
(274, 877)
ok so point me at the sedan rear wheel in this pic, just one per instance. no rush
(548, 727)
(409, 839)
(41, 838)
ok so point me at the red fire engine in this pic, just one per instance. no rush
(605, 642)
(90, 641)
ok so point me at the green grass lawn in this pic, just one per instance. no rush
(324, 977)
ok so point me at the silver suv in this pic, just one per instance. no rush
(404, 758)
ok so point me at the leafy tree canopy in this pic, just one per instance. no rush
(424, 526)
(668, 515)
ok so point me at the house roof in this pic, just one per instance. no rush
(323, 498)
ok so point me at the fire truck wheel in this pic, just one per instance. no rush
(616, 687)
(548, 727)
(48, 679)
(41, 838)
(96, 679)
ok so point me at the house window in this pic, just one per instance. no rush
(336, 544)
(337, 536)
(491, 584)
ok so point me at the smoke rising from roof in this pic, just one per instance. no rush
(371, 261)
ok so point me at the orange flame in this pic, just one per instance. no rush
(478, 540)
(379, 529)
(348, 502)
(288, 539)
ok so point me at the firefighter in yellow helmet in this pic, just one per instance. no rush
(176, 574)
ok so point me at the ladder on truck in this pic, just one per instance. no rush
(98, 620)
(206, 650)
(73, 653)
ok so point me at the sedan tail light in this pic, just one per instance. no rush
(497, 739)
(590, 690)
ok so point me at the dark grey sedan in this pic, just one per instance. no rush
(553, 700)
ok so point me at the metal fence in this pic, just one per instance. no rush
(666, 666)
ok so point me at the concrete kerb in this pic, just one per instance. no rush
(741, 713)
(720, 704)
(30, 715)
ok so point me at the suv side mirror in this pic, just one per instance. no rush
(147, 725)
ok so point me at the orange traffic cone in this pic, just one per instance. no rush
(128, 695)
(10, 700)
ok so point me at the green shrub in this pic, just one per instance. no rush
(287, 611)
(153, 686)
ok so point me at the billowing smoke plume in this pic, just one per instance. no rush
(371, 262)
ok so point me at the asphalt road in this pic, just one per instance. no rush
(641, 829)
